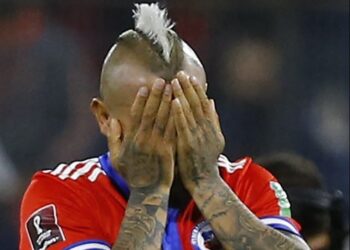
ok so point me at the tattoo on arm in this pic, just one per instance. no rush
(235, 226)
(144, 221)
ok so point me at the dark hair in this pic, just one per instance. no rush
(304, 187)
(152, 53)
(313, 206)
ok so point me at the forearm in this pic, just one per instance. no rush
(144, 221)
(234, 225)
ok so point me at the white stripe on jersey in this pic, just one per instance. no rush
(274, 220)
(97, 171)
(81, 171)
(65, 174)
(64, 171)
(230, 166)
(58, 169)
(89, 246)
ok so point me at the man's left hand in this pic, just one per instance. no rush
(199, 136)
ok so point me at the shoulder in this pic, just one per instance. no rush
(259, 190)
(88, 170)
(243, 169)
(76, 175)
(56, 198)
(67, 181)
(255, 186)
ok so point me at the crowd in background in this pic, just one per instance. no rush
(278, 70)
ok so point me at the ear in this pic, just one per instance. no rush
(102, 115)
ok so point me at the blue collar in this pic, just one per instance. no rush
(172, 239)
(116, 178)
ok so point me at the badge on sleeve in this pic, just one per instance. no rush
(43, 228)
(203, 237)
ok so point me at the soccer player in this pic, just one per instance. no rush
(163, 184)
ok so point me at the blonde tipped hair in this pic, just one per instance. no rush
(152, 43)
(153, 22)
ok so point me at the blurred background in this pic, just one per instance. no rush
(278, 70)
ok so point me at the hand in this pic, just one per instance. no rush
(146, 156)
(199, 136)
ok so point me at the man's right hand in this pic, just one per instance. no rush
(146, 156)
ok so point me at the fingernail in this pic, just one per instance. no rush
(183, 76)
(194, 80)
(143, 91)
(112, 122)
(176, 85)
(159, 84)
(167, 90)
(213, 104)
(177, 101)
(181, 73)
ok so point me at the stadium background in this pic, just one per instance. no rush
(278, 70)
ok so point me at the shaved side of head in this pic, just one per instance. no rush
(132, 47)
(137, 60)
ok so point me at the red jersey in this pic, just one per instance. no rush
(81, 206)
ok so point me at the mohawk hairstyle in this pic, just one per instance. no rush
(153, 23)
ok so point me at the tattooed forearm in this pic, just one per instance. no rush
(235, 226)
(144, 221)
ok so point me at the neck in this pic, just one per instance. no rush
(179, 196)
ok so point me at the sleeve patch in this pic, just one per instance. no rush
(280, 223)
(43, 229)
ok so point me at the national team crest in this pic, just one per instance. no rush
(203, 237)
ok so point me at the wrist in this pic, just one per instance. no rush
(203, 183)
(149, 197)
(210, 196)
(163, 190)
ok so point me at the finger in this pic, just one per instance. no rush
(114, 138)
(220, 136)
(115, 141)
(163, 112)
(191, 95)
(178, 93)
(138, 107)
(181, 125)
(170, 130)
(214, 115)
(152, 105)
(201, 94)
(114, 133)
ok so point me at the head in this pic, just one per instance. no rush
(312, 205)
(152, 50)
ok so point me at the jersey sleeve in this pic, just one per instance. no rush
(264, 196)
(55, 216)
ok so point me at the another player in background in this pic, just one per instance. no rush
(164, 183)
(320, 213)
